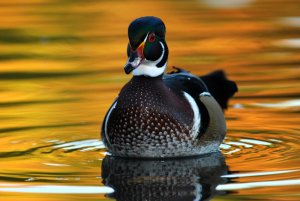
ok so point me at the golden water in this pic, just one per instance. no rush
(61, 68)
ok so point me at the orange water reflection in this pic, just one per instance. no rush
(61, 68)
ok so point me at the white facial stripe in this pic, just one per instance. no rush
(149, 68)
(197, 118)
(146, 37)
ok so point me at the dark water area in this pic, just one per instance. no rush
(61, 67)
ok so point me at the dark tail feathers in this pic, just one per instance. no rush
(220, 87)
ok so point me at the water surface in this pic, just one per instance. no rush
(61, 68)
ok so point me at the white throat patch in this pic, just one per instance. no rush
(149, 68)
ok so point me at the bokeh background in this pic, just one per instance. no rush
(61, 66)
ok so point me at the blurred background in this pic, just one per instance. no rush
(61, 67)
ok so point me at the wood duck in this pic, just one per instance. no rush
(158, 115)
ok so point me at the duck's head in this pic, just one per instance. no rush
(147, 50)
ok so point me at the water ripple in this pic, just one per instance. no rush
(255, 174)
(284, 104)
(230, 146)
(40, 75)
(290, 21)
(82, 145)
(23, 128)
(55, 189)
(247, 185)
(257, 142)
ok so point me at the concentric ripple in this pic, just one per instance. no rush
(82, 145)
(246, 145)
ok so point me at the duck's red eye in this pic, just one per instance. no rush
(151, 37)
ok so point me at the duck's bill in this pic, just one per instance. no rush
(130, 66)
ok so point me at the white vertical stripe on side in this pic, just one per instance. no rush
(106, 120)
(197, 118)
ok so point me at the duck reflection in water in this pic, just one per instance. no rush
(164, 180)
